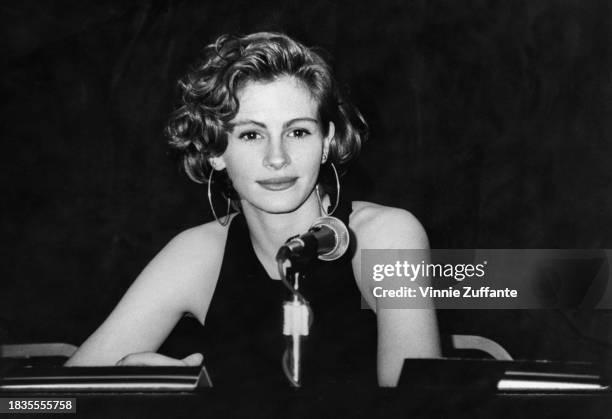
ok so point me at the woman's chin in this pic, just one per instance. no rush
(280, 208)
(273, 206)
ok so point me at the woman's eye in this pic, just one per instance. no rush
(299, 133)
(249, 136)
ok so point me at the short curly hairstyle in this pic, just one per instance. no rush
(198, 128)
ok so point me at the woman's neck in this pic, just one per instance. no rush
(270, 231)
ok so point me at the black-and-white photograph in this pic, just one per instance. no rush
(292, 209)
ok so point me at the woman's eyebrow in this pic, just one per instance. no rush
(247, 122)
(304, 119)
(233, 125)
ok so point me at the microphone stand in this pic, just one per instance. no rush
(328, 238)
(296, 323)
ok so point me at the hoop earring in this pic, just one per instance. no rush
(227, 215)
(323, 210)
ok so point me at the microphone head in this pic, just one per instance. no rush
(341, 235)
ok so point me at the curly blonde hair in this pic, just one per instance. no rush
(198, 129)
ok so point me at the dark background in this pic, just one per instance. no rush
(491, 122)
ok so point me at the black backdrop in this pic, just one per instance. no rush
(491, 122)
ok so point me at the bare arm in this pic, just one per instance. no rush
(402, 333)
(178, 280)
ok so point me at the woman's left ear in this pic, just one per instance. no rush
(331, 131)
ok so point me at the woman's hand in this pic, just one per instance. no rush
(153, 359)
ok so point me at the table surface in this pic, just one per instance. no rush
(427, 394)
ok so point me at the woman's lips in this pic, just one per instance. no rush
(277, 184)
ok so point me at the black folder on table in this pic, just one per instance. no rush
(504, 376)
(103, 379)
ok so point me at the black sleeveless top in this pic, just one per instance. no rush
(243, 342)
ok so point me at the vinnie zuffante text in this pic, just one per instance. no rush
(407, 271)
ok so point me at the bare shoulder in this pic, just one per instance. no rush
(381, 227)
(197, 243)
(190, 265)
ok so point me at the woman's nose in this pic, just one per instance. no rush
(276, 156)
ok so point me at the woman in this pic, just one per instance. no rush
(263, 120)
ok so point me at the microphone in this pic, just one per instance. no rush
(327, 238)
